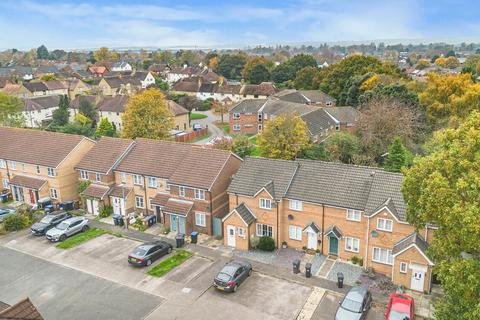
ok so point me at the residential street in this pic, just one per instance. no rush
(209, 121)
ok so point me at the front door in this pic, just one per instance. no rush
(333, 248)
(173, 222)
(31, 195)
(417, 280)
(312, 240)
(231, 236)
(181, 225)
(118, 205)
(158, 213)
(89, 206)
(95, 205)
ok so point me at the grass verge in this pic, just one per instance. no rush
(80, 238)
(196, 116)
(168, 264)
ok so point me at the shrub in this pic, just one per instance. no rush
(106, 211)
(139, 224)
(83, 185)
(360, 262)
(254, 241)
(355, 260)
(165, 230)
(266, 244)
(15, 222)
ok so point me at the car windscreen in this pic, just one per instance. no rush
(139, 252)
(224, 277)
(395, 315)
(47, 219)
(352, 305)
(62, 226)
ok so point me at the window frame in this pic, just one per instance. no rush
(352, 248)
(5, 183)
(123, 177)
(401, 269)
(137, 202)
(37, 169)
(385, 224)
(353, 217)
(297, 233)
(380, 253)
(135, 182)
(83, 174)
(265, 201)
(203, 216)
(51, 172)
(3, 164)
(53, 193)
(181, 191)
(98, 177)
(152, 185)
(265, 228)
(201, 194)
(299, 206)
(13, 165)
(236, 115)
(236, 127)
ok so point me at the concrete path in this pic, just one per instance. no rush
(325, 268)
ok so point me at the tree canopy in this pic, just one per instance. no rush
(60, 116)
(258, 74)
(147, 116)
(398, 156)
(11, 111)
(42, 53)
(105, 129)
(231, 65)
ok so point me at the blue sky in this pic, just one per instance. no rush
(90, 23)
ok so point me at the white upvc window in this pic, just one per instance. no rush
(295, 233)
(137, 180)
(139, 202)
(98, 177)
(37, 169)
(167, 186)
(352, 244)
(403, 267)
(382, 255)
(236, 116)
(181, 191)
(152, 182)
(385, 224)
(5, 183)
(200, 219)
(3, 164)
(83, 174)
(265, 203)
(295, 205)
(53, 193)
(236, 127)
(123, 177)
(24, 167)
(264, 230)
(241, 232)
(199, 194)
(354, 215)
(13, 165)
(51, 172)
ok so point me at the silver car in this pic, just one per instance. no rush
(67, 228)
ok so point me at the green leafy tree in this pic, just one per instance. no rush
(60, 116)
(11, 111)
(301, 61)
(242, 146)
(258, 74)
(231, 65)
(283, 73)
(87, 109)
(306, 78)
(147, 116)
(42, 53)
(316, 152)
(342, 146)
(284, 137)
(442, 188)
(398, 156)
(396, 91)
(105, 129)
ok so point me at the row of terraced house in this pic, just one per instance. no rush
(339, 210)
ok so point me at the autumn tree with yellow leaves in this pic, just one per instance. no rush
(102, 54)
(147, 116)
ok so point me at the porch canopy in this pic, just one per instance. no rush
(96, 191)
(27, 182)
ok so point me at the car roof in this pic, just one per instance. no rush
(55, 213)
(401, 303)
(356, 294)
(72, 219)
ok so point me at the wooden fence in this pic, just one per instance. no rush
(186, 137)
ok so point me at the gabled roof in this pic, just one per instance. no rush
(175, 108)
(343, 115)
(75, 103)
(35, 86)
(304, 96)
(36, 147)
(40, 103)
(96, 191)
(413, 239)
(245, 213)
(318, 121)
(312, 226)
(55, 85)
(262, 89)
(334, 230)
(186, 85)
(178, 206)
(257, 173)
(208, 87)
(316, 96)
(277, 107)
(23, 310)
(104, 155)
(117, 82)
(160, 199)
(119, 191)
(248, 106)
(113, 104)
(229, 88)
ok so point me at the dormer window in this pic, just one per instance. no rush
(384, 224)
(265, 204)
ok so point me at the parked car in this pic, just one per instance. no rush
(196, 126)
(145, 254)
(67, 228)
(400, 307)
(5, 212)
(48, 222)
(355, 305)
(232, 275)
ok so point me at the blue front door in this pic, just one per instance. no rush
(181, 224)
(173, 222)
(333, 249)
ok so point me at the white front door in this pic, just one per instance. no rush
(95, 207)
(231, 236)
(418, 278)
(116, 205)
(312, 240)
(89, 206)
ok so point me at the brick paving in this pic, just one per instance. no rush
(350, 272)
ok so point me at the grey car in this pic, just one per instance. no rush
(48, 222)
(67, 228)
(145, 254)
(5, 212)
(354, 305)
(232, 275)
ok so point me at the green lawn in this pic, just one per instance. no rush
(196, 116)
(225, 126)
(179, 257)
(80, 238)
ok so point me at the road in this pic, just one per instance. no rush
(209, 121)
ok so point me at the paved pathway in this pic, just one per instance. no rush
(325, 269)
(209, 121)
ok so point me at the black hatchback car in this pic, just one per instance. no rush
(232, 275)
(48, 222)
(145, 254)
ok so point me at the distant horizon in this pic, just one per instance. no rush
(88, 24)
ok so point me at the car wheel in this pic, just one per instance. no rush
(149, 262)
(249, 272)
(63, 237)
(169, 250)
(85, 228)
(235, 287)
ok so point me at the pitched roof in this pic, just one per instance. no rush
(24, 181)
(119, 191)
(315, 96)
(257, 173)
(96, 191)
(277, 107)
(117, 82)
(35, 86)
(178, 206)
(40, 103)
(412, 239)
(113, 104)
(56, 85)
(229, 88)
(313, 226)
(75, 103)
(208, 87)
(103, 156)
(262, 89)
(343, 114)
(248, 106)
(333, 229)
(318, 121)
(186, 85)
(177, 162)
(160, 199)
(23, 310)
(175, 108)
(247, 215)
(36, 147)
